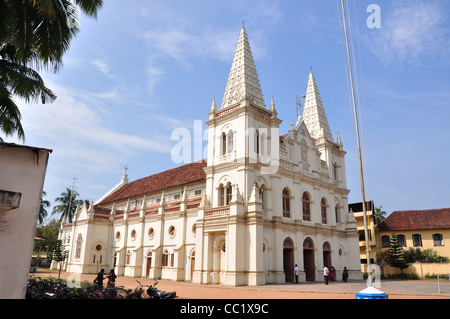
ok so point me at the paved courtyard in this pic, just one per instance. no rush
(396, 289)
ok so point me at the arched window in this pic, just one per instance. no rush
(263, 144)
(286, 203)
(308, 244)
(263, 196)
(438, 240)
(401, 240)
(230, 142)
(228, 193)
(224, 144)
(323, 210)
(306, 206)
(326, 254)
(257, 142)
(78, 249)
(128, 257)
(225, 194)
(165, 258)
(335, 171)
(336, 212)
(417, 240)
(221, 195)
(288, 243)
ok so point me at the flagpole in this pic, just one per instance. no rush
(358, 140)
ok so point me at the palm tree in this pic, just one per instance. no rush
(68, 204)
(16, 79)
(379, 215)
(42, 210)
(34, 34)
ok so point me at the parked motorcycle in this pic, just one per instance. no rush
(154, 293)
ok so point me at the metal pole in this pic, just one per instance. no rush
(358, 141)
(439, 286)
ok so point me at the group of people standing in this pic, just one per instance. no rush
(111, 279)
(330, 274)
(327, 273)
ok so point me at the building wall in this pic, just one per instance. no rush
(421, 270)
(22, 170)
(427, 239)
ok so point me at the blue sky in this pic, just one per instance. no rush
(142, 69)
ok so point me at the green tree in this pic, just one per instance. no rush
(58, 254)
(424, 256)
(411, 255)
(34, 34)
(394, 255)
(49, 232)
(379, 215)
(42, 210)
(68, 204)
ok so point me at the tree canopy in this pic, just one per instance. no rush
(34, 35)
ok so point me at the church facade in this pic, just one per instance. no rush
(259, 204)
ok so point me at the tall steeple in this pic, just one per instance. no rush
(314, 114)
(243, 83)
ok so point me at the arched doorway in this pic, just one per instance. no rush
(192, 264)
(149, 263)
(308, 259)
(288, 259)
(327, 255)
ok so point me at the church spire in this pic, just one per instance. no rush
(313, 113)
(243, 83)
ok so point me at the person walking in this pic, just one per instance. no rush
(296, 273)
(326, 274)
(111, 279)
(345, 274)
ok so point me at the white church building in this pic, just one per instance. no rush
(258, 205)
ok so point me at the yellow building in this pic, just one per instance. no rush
(417, 229)
(357, 209)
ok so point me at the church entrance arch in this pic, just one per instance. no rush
(308, 259)
(327, 255)
(288, 259)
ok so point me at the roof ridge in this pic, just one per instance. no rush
(189, 173)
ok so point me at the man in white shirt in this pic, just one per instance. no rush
(326, 274)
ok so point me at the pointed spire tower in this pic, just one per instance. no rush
(243, 85)
(314, 114)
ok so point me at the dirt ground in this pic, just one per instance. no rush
(186, 290)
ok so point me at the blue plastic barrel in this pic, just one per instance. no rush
(371, 293)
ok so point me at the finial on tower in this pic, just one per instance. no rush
(125, 175)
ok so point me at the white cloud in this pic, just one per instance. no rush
(179, 44)
(103, 67)
(410, 32)
(153, 75)
(80, 134)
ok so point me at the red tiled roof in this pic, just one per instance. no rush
(417, 219)
(189, 173)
